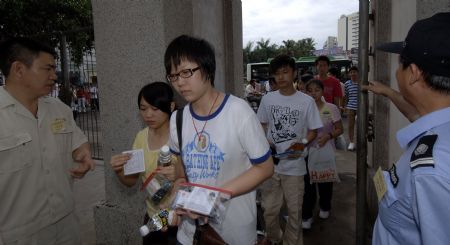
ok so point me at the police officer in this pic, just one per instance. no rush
(415, 209)
(41, 150)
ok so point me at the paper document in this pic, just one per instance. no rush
(136, 163)
(380, 184)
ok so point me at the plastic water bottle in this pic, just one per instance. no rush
(158, 221)
(165, 157)
(164, 160)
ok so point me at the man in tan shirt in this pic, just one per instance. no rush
(41, 150)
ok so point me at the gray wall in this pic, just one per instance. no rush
(130, 40)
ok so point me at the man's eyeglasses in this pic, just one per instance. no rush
(186, 73)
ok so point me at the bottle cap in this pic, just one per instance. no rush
(165, 150)
(305, 141)
(144, 230)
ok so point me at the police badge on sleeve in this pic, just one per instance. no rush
(423, 153)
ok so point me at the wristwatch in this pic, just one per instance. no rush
(305, 141)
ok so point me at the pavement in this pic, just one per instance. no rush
(89, 192)
(338, 229)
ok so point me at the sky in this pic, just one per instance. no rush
(293, 19)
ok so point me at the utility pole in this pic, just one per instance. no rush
(361, 154)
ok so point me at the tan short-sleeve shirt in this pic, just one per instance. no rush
(35, 158)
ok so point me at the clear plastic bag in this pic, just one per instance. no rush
(205, 200)
(158, 187)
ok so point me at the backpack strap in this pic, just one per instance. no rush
(179, 122)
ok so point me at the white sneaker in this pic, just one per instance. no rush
(351, 146)
(324, 214)
(306, 223)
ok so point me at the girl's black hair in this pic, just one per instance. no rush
(157, 94)
(317, 82)
(192, 49)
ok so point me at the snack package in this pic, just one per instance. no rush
(204, 200)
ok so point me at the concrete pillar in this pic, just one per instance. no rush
(130, 40)
(381, 71)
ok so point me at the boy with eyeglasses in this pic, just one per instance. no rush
(223, 144)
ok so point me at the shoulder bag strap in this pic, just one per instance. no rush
(179, 121)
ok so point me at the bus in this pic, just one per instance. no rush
(260, 70)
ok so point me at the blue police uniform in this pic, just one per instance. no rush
(416, 206)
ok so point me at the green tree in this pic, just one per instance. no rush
(305, 47)
(264, 50)
(289, 47)
(247, 52)
(48, 20)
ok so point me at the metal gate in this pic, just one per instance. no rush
(85, 108)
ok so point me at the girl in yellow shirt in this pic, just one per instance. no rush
(156, 104)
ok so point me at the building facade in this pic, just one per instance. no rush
(348, 31)
(330, 43)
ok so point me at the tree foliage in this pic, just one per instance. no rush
(263, 50)
(48, 20)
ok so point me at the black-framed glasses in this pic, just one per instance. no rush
(186, 73)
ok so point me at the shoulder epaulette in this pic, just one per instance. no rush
(423, 153)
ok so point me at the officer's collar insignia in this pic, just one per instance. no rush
(423, 153)
(393, 175)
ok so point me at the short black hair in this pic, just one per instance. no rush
(353, 68)
(316, 82)
(191, 49)
(322, 58)
(157, 94)
(438, 83)
(335, 72)
(21, 49)
(306, 77)
(280, 61)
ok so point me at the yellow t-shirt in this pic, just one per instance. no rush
(151, 162)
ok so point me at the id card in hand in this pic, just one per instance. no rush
(136, 162)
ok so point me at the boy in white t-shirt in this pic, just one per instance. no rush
(289, 117)
(223, 143)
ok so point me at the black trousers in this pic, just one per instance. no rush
(159, 237)
(310, 196)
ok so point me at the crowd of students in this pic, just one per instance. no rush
(219, 127)
(218, 141)
(285, 118)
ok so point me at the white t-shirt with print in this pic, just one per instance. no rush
(231, 142)
(288, 120)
